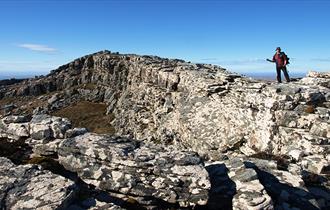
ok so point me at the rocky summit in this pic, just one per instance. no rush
(123, 131)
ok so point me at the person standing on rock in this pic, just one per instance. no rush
(281, 61)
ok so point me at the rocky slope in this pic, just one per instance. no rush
(187, 135)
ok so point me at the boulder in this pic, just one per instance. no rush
(48, 127)
(14, 127)
(316, 164)
(43, 132)
(16, 119)
(75, 132)
(29, 187)
(251, 194)
(291, 188)
(55, 97)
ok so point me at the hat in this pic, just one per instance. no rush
(278, 48)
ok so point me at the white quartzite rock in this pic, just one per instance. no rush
(131, 167)
(27, 187)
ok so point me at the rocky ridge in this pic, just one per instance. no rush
(187, 135)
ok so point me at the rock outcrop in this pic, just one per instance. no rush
(29, 187)
(198, 106)
(43, 132)
(146, 171)
(270, 141)
(151, 173)
(138, 169)
(260, 184)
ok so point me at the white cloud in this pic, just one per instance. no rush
(38, 48)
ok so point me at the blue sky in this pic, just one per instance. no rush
(37, 36)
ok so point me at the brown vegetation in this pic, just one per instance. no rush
(26, 103)
(310, 109)
(88, 115)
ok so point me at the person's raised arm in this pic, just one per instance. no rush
(273, 60)
(269, 60)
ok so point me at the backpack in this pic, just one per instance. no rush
(287, 58)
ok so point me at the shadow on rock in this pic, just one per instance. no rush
(18, 151)
(222, 189)
(283, 195)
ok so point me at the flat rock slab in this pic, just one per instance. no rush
(140, 169)
(28, 187)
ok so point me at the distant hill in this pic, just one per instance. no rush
(10, 81)
(271, 75)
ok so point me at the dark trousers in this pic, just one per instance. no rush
(285, 72)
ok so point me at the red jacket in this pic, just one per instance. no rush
(279, 59)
